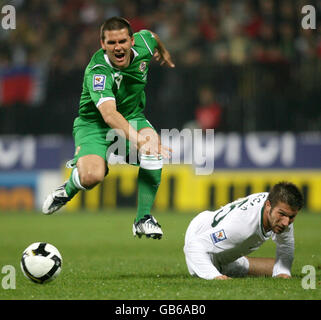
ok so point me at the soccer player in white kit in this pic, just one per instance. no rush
(217, 242)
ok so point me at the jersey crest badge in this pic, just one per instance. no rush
(218, 236)
(99, 82)
(142, 66)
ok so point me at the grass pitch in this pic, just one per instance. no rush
(102, 260)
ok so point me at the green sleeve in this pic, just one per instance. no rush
(99, 83)
(149, 40)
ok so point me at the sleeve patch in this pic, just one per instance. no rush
(99, 81)
(218, 236)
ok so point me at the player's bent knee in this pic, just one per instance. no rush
(237, 268)
(92, 170)
(90, 179)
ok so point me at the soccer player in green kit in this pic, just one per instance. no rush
(113, 98)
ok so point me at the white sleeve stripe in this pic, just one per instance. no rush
(150, 51)
(101, 100)
(97, 65)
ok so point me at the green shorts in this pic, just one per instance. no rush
(91, 137)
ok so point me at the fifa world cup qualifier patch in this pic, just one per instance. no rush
(218, 236)
(99, 82)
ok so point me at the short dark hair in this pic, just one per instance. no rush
(288, 193)
(115, 23)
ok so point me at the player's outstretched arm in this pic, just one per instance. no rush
(162, 54)
(284, 253)
(115, 120)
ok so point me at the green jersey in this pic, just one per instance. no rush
(104, 82)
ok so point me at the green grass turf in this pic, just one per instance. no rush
(102, 260)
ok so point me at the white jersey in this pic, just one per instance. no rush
(215, 239)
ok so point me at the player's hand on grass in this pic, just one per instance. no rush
(222, 277)
(283, 275)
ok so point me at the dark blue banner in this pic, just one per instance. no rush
(217, 151)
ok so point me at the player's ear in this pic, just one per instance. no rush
(102, 44)
(132, 39)
(268, 204)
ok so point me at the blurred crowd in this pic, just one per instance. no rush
(64, 33)
(238, 63)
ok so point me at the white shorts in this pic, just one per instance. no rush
(202, 263)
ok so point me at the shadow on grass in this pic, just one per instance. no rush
(149, 276)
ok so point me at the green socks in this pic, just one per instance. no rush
(148, 183)
(73, 184)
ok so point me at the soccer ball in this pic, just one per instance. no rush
(41, 262)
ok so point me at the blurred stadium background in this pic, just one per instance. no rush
(246, 69)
